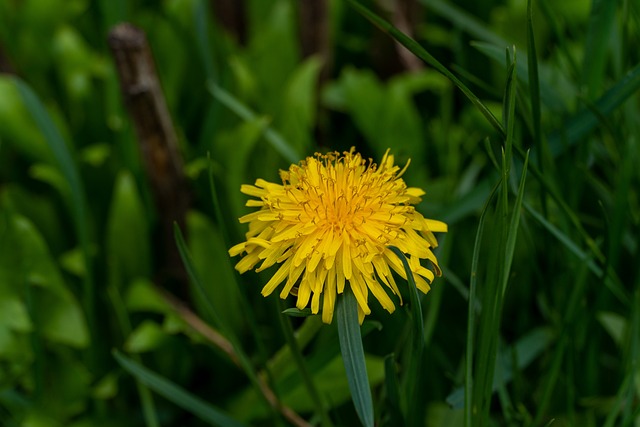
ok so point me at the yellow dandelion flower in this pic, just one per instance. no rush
(330, 223)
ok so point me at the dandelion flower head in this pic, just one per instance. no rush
(330, 224)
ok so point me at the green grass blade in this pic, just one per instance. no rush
(548, 92)
(473, 303)
(68, 168)
(534, 81)
(210, 311)
(597, 48)
(353, 356)
(421, 53)
(201, 29)
(585, 121)
(298, 359)
(509, 108)
(417, 348)
(274, 138)
(464, 21)
(513, 227)
(393, 391)
(176, 394)
(610, 281)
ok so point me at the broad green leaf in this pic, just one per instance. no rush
(615, 325)
(16, 126)
(128, 234)
(29, 263)
(142, 295)
(172, 392)
(353, 356)
(421, 53)
(211, 260)
(276, 28)
(148, 336)
(298, 113)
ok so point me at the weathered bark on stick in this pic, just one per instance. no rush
(158, 143)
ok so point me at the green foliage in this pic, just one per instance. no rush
(521, 126)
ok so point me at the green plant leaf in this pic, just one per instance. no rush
(417, 347)
(242, 111)
(421, 53)
(353, 356)
(585, 121)
(128, 234)
(176, 394)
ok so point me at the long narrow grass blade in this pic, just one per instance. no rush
(509, 110)
(415, 360)
(578, 126)
(464, 21)
(210, 311)
(421, 53)
(597, 48)
(68, 168)
(200, 15)
(534, 82)
(473, 303)
(548, 92)
(393, 391)
(610, 281)
(298, 359)
(353, 356)
(176, 394)
(274, 138)
(513, 227)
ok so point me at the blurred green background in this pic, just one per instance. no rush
(253, 86)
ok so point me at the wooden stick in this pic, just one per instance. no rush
(158, 142)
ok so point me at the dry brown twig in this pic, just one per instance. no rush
(157, 139)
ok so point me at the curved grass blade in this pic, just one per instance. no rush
(176, 394)
(298, 359)
(471, 312)
(415, 361)
(513, 227)
(213, 316)
(415, 48)
(353, 356)
(68, 168)
(274, 138)
(578, 126)
(610, 280)
(464, 21)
